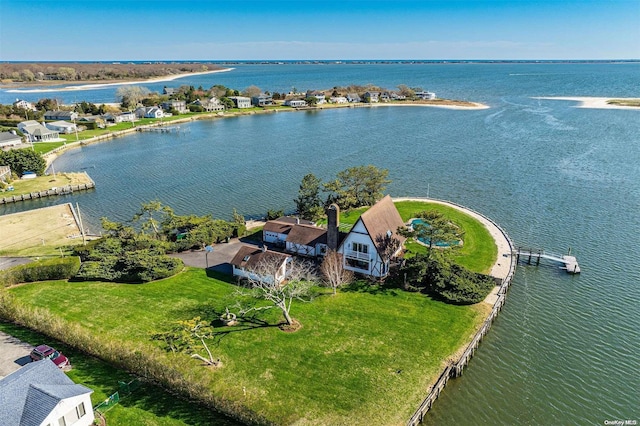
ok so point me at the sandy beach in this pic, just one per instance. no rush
(473, 105)
(118, 83)
(591, 102)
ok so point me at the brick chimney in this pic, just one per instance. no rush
(333, 223)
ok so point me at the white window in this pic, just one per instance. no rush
(80, 410)
(360, 248)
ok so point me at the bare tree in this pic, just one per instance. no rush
(252, 91)
(267, 281)
(185, 336)
(333, 271)
(131, 96)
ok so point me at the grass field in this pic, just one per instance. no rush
(365, 356)
(38, 232)
(43, 183)
(44, 147)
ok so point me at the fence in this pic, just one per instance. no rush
(125, 389)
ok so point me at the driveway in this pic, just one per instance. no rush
(10, 262)
(13, 354)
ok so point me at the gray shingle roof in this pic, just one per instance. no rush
(28, 395)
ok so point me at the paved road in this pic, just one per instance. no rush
(10, 262)
(13, 354)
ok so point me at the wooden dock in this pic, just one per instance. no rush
(160, 129)
(535, 255)
(62, 190)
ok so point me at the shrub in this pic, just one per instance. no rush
(130, 267)
(42, 270)
(443, 280)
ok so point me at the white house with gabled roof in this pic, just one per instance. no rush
(40, 394)
(374, 240)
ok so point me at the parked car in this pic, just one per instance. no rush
(45, 351)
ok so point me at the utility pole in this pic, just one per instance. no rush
(84, 240)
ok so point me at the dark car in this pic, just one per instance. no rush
(45, 351)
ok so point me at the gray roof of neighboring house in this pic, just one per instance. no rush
(60, 114)
(250, 256)
(9, 137)
(307, 235)
(28, 395)
(32, 127)
(283, 224)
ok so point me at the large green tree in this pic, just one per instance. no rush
(23, 160)
(308, 203)
(357, 186)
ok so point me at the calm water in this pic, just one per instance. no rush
(565, 349)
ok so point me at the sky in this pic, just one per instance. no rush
(116, 30)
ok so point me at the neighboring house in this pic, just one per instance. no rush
(262, 100)
(99, 121)
(212, 104)
(425, 96)
(40, 394)
(365, 249)
(19, 103)
(371, 97)
(276, 231)
(307, 240)
(61, 127)
(385, 97)
(397, 96)
(61, 115)
(149, 112)
(241, 101)
(295, 103)
(338, 100)
(180, 106)
(353, 97)
(319, 96)
(36, 132)
(169, 91)
(119, 118)
(247, 263)
(9, 139)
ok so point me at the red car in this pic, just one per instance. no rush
(45, 351)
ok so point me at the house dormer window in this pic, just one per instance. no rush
(360, 248)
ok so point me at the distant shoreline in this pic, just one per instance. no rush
(591, 102)
(93, 86)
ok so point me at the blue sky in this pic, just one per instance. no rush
(306, 29)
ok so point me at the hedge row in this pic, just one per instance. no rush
(59, 268)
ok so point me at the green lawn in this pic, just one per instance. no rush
(365, 356)
(44, 147)
(147, 405)
(45, 182)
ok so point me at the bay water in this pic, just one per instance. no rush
(565, 349)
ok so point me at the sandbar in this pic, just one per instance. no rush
(590, 102)
(119, 83)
